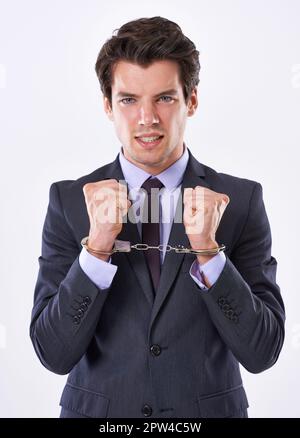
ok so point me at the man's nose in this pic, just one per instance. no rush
(148, 116)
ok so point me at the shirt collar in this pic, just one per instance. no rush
(170, 177)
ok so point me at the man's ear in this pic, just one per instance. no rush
(192, 102)
(108, 108)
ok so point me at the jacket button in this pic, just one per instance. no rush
(87, 300)
(80, 313)
(229, 313)
(76, 319)
(83, 307)
(221, 301)
(147, 410)
(226, 307)
(155, 350)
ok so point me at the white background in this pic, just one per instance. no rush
(53, 127)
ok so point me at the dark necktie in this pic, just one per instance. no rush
(150, 228)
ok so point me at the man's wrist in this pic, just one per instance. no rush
(204, 259)
(209, 244)
(104, 257)
(93, 248)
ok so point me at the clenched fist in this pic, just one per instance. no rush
(203, 210)
(106, 203)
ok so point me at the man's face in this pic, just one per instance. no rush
(149, 113)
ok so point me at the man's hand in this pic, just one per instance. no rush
(106, 203)
(203, 210)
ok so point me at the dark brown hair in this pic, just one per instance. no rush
(144, 41)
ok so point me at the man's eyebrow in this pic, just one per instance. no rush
(171, 92)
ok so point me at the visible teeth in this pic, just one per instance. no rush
(149, 139)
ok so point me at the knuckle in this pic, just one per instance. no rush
(86, 189)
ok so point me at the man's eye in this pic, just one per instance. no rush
(166, 98)
(127, 100)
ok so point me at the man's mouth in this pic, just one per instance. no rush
(148, 141)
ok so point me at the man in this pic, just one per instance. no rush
(155, 332)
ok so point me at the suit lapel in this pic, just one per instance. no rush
(137, 260)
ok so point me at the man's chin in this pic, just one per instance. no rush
(151, 161)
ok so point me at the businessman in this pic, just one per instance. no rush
(156, 278)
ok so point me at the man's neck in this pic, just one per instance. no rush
(153, 169)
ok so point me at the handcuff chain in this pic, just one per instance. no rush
(125, 246)
(145, 247)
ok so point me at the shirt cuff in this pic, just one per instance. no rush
(211, 269)
(101, 273)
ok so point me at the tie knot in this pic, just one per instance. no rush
(153, 183)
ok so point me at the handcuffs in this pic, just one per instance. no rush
(125, 246)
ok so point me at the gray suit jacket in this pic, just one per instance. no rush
(130, 353)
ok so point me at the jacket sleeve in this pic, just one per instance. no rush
(67, 304)
(245, 303)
